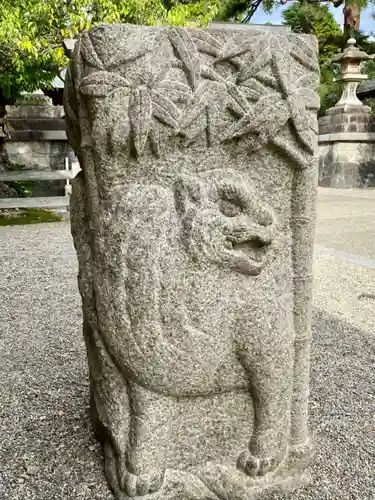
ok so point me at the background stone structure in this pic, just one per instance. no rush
(347, 149)
(37, 142)
(347, 132)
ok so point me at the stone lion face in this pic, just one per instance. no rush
(223, 220)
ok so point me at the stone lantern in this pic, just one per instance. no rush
(350, 76)
(347, 132)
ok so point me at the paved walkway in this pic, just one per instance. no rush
(47, 450)
(344, 263)
(346, 221)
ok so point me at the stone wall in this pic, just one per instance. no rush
(347, 149)
(38, 142)
(347, 163)
(347, 122)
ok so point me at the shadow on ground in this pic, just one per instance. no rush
(47, 450)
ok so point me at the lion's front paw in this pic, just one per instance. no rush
(256, 466)
(300, 454)
(122, 480)
(143, 484)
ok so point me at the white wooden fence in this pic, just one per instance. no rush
(71, 169)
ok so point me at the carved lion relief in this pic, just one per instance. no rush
(196, 286)
(223, 220)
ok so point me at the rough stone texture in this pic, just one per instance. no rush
(193, 224)
(347, 164)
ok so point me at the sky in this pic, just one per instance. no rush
(367, 22)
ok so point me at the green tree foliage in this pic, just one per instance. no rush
(317, 19)
(32, 31)
(243, 10)
(30, 51)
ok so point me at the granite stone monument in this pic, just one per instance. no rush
(193, 222)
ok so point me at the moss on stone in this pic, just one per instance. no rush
(30, 216)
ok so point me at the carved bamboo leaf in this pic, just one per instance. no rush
(268, 80)
(188, 54)
(122, 58)
(105, 77)
(176, 91)
(119, 135)
(236, 62)
(306, 85)
(155, 75)
(258, 59)
(193, 113)
(307, 137)
(198, 104)
(155, 140)
(310, 98)
(237, 102)
(88, 52)
(312, 122)
(270, 112)
(164, 110)
(207, 43)
(252, 89)
(300, 120)
(309, 62)
(290, 150)
(101, 83)
(196, 127)
(174, 85)
(175, 96)
(307, 44)
(211, 74)
(241, 47)
(140, 117)
(310, 80)
(281, 67)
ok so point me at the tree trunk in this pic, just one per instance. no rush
(5, 190)
(4, 134)
(352, 18)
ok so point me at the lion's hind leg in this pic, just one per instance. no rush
(269, 370)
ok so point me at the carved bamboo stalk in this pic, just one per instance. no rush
(303, 210)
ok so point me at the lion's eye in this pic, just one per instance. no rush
(229, 208)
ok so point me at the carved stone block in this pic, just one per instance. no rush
(193, 223)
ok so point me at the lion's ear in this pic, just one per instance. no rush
(187, 190)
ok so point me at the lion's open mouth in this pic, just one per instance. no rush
(253, 249)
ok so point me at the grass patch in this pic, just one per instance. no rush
(30, 216)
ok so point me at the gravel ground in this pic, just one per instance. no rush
(47, 450)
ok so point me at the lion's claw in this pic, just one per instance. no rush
(142, 484)
(255, 466)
